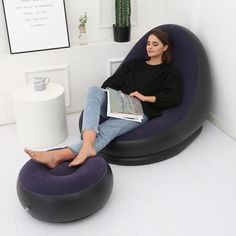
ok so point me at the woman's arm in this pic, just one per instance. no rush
(141, 97)
(116, 81)
(171, 92)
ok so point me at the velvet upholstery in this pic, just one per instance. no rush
(64, 193)
(185, 60)
(63, 179)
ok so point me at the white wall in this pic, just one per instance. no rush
(86, 64)
(214, 23)
(216, 27)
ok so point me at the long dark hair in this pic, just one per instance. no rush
(165, 39)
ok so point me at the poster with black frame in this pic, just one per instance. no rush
(36, 25)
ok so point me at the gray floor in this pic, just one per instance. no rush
(191, 194)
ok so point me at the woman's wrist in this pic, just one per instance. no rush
(150, 99)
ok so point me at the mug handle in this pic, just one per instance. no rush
(47, 80)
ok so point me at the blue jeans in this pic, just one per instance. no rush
(96, 106)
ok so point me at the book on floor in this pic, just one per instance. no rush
(123, 106)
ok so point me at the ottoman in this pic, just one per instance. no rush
(64, 194)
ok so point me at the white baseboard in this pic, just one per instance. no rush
(217, 121)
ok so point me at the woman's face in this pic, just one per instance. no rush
(154, 47)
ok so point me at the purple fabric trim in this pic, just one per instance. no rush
(63, 179)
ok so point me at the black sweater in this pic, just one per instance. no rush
(162, 81)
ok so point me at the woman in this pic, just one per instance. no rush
(155, 82)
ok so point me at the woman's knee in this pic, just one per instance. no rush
(96, 95)
(95, 90)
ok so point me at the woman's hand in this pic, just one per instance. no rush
(138, 95)
(143, 98)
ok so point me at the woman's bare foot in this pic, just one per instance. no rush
(51, 158)
(85, 152)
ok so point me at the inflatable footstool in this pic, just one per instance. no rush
(64, 194)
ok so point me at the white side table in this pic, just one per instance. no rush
(40, 115)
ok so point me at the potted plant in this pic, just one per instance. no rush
(82, 29)
(121, 28)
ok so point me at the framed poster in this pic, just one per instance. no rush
(36, 25)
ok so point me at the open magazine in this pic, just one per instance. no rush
(123, 106)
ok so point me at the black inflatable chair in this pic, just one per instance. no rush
(166, 136)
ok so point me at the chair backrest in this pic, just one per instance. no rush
(191, 60)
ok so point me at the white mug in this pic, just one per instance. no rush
(40, 83)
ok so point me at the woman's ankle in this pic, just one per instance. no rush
(67, 153)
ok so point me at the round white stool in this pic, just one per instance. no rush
(40, 115)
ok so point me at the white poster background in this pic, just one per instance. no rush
(36, 25)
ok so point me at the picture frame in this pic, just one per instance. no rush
(36, 25)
